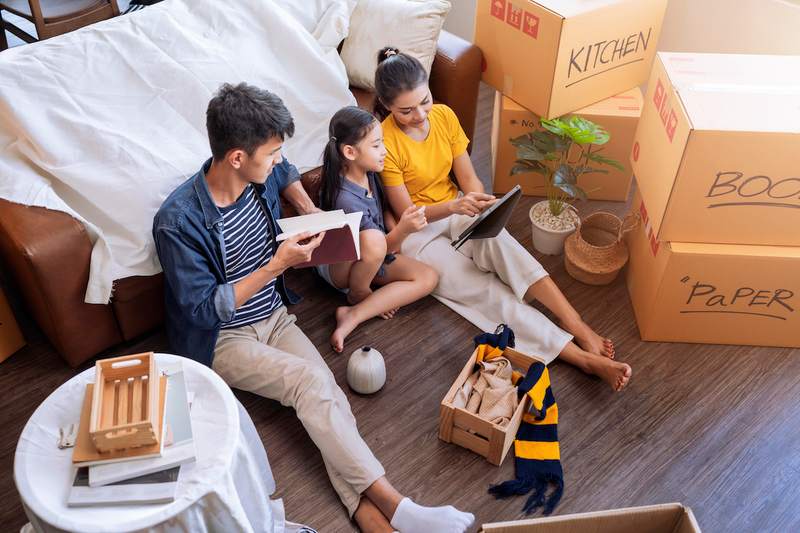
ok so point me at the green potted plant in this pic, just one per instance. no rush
(562, 151)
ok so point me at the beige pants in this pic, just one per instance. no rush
(274, 359)
(485, 281)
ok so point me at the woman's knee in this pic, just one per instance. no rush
(428, 278)
(373, 245)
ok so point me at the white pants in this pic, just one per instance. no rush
(485, 281)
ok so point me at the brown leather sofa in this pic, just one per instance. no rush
(46, 253)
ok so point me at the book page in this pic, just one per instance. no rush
(354, 221)
(313, 223)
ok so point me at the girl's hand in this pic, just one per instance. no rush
(412, 220)
(472, 203)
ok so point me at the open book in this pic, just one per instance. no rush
(341, 242)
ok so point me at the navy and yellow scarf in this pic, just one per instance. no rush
(536, 449)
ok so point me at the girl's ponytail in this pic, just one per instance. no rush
(396, 73)
(331, 178)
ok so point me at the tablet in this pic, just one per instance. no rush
(492, 221)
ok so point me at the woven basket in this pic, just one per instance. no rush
(596, 252)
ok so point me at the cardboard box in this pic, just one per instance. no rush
(10, 337)
(666, 518)
(618, 114)
(470, 431)
(712, 293)
(716, 150)
(556, 56)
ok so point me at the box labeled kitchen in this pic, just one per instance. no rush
(555, 56)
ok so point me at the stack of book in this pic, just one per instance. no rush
(136, 475)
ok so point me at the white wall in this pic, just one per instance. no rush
(461, 18)
(725, 26)
(732, 26)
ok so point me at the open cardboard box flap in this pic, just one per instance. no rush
(665, 518)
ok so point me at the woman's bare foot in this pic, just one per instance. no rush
(370, 519)
(589, 340)
(345, 324)
(614, 373)
(389, 314)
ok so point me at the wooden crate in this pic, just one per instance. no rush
(468, 430)
(125, 403)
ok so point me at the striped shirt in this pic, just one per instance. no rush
(249, 246)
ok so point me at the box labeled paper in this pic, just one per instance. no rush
(717, 150)
(712, 293)
(10, 337)
(618, 114)
(555, 56)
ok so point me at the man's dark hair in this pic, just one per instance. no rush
(246, 117)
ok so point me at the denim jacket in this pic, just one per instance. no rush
(188, 233)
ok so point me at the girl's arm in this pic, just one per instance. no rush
(412, 220)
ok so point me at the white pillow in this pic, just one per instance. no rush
(412, 26)
(327, 20)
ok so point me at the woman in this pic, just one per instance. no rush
(487, 281)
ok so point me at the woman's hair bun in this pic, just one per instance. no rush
(386, 52)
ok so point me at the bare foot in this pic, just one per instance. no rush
(354, 297)
(590, 341)
(614, 373)
(345, 324)
(389, 314)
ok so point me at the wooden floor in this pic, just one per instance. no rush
(714, 427)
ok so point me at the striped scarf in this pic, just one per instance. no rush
(536, 450)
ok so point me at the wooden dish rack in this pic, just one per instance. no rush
(125, 403)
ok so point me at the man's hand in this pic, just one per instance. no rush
(294, 251)
(472, 203)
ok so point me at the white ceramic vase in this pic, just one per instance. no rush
(366, 371)
(546, 240)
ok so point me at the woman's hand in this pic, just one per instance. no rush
(412, 220)
(472, 203)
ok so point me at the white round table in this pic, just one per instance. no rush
(226, 489)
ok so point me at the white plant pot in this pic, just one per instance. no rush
(547, 240)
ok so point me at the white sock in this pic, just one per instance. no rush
(412, 518)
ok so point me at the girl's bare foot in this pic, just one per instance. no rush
(589, 340)
(345, 324)
(614, 373)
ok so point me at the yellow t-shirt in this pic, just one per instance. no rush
(424, 166)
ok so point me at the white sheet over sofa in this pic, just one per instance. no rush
(104, 122)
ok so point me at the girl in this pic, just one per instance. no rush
(354, 155)
(488, 281)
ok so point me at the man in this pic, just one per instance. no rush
(225, 298)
